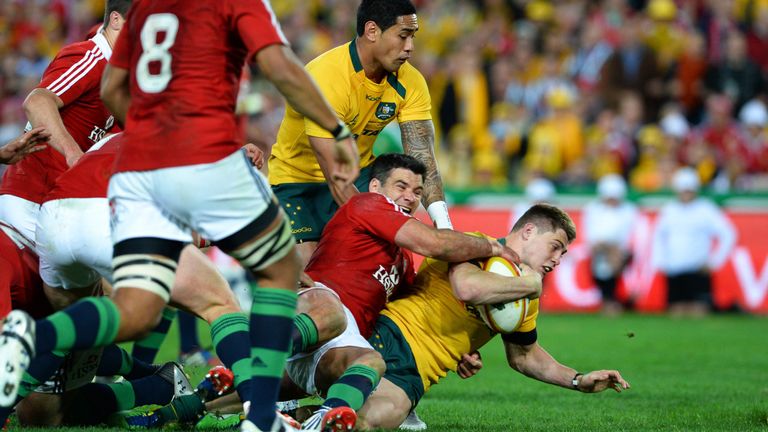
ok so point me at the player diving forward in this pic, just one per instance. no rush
(429, 331)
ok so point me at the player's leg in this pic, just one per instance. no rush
(319, 318)
(386, 408)
(203, 291)
(146, 349)
(241, 217)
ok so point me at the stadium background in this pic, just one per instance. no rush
(529, 88)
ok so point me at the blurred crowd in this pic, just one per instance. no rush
(567, 90)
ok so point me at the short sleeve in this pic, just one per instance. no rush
(377, 214)
(418, 102)
(257, 25)
(526, 334)
(72, 73)
(335, 90)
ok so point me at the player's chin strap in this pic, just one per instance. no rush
(438, 212)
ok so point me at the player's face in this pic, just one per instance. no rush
(403, 186)
(396, 43)
(543, 250)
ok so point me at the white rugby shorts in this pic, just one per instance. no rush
(21, 215)
(74, 242)
(301, 368)
(215, 199)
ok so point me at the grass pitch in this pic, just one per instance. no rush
(708, 374)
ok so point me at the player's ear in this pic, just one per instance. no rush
(371, 31)
(374, 185)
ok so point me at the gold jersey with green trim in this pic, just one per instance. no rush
(438, 327)
(365, 106)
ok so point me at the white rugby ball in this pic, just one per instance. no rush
(503, 317)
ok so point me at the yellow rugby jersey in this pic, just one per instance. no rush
(365, 106)
(438, 327)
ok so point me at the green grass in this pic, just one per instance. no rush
(686, 375)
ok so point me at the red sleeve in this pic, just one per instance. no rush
(121, 53)
(257, 25)
(378, 215)
(73, 72)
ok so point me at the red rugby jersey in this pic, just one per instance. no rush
(75, 77)
(357, 256)
(185, 59)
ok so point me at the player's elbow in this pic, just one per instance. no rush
(34, 101)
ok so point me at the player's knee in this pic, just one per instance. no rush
(373, 360)
(326, 311)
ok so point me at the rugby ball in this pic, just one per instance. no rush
(503, 317)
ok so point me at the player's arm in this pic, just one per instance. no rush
(533, 361)
(29, 142)
(418, 138)
(448, 245)
(42, 109)
(473, 285)
(280, 65)
(324, 152)
(115, 92)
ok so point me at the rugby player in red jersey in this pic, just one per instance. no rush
(67, 104)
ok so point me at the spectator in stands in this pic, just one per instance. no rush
(607, 226)
(693, 238)
(737, 75)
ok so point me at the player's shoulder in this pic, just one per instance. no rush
(335, 59)
(409, 75)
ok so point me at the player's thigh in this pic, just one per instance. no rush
(74, 242)
(323, 305)
(309, 207)
(200, 288)
(386, 407)
(40, 409)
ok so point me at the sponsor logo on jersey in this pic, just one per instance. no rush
(385, 110)
(301, 230)
(372, 98)
(389, 279)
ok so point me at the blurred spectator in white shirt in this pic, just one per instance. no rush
(607, 225)
(538, 190)
(693, 238)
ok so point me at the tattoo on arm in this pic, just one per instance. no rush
(419, 141)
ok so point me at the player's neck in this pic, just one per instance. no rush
(373, 70)
(110, 35)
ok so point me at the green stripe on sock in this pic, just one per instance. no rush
(153, 340)
(308, 330)
(347, 393)
(65, 330)
(242, 370)
(227, 324)
(365, 371)
(126, 362)
(109, 317)
(124, 395)
(267, 362)
(169, 313)
(274, 302)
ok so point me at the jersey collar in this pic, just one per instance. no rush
(358, 65)
(103, 45)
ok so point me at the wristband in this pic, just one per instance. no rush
(341, 132)
(438, 212)
(575, 380)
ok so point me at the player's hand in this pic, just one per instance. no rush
(346, 163)
(469, 365)
(29, 142)
(499, 250)
(254, 154)
(597, 381)
(536, 278)
(305, 281)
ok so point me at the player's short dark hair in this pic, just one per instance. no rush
(547, 218)
(384, 164)
(119, 6)
(383, 12)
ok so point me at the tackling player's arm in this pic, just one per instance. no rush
(324, 152)
(533, 361)
(418, 138)
(29, 142)
(280, 65)
(115, 92)
(42, 109)
(448, 245)
(473, 285)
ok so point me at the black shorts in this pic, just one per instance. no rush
(689, 287)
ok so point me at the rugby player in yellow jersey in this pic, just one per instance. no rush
(369, 83)
(420, 348)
